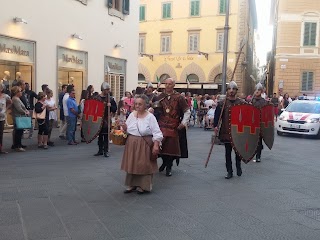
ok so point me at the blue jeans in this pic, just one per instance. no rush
(71, 129)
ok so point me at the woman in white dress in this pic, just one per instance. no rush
(142, 147)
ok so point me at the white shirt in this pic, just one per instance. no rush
(210, 113)
(64, 102)
(52, 114)
(147, 126)
(208, 103)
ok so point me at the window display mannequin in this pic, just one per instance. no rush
(5, 81)
(18, 77)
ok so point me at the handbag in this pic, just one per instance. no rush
(23, 122)
(40, 116)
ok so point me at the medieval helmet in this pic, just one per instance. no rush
(149, 85)
(105, 86)
(232, 84)
(259, 87)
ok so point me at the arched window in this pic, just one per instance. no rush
(141, 78)
(193, 78)
(218, 79)
(164, 77)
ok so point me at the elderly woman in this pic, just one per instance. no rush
(142, 147)
(42, 115)
(18, 109)
(5, 102)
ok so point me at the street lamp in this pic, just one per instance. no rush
(206, 55)
(147, 55)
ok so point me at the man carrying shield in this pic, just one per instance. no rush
(258, 101)
(225, 132)
(110, 107)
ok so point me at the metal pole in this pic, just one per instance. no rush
(225, 50)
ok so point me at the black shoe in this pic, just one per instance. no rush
(106, 154)
(228, 176)
(100, 153)
(168, 172)
(51, 144)
(162, 167)
(239, 172)
(258, 160)
(23, 146)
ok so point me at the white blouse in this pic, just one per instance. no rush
(147, 126)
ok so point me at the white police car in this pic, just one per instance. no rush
(300, 117)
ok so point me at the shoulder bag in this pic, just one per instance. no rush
(23, 122)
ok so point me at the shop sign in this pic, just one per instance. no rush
(114, 65)
(69, 58)
(16, 50)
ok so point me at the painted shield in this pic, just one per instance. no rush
(245, 130)
(92, 119)
(267, 125)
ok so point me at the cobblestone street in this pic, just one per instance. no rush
(66, 193)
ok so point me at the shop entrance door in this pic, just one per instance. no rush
(66, 76)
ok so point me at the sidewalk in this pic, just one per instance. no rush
(65, 193)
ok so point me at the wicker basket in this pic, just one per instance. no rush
(118, 139)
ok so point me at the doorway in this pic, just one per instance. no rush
(70, 76)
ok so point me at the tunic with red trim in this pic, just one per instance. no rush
(173, 107)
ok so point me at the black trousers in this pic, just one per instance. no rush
(1, 133)
(259, 149)
(168, 160)
(228, 148)
(103, 140)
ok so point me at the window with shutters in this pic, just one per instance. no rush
(307, 81)
(194, 8)
(310, 34)
(142, 44)
(220, 41)
(118, 8)
(222, 6)
(142, 16)
(193, 42)
(165, 44)
(141, 78)
(117, 85)
(166, 10)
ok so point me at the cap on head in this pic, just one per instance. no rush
(233, 85)
(259, 86)
(105, 86)
(149, 85)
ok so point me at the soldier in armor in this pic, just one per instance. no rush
(173, 106)
(224, 132)
(103, 140)
(258, 101)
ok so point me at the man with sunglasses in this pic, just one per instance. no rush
(225, 132)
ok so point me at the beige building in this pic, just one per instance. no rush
(295, 59)
(184, 39)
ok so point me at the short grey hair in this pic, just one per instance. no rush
(143, 97)
(171, 79)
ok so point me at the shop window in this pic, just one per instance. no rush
(307, 81)
(142, 15)
(165, 44)
(193, 78)
(193, 42)
(141, 78)
(222, 6)
(310, 34)
(117, 86)
(195, 8)
(166, 10)
(220, 41)
(122, 6)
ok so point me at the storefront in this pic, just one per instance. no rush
(72, 69)
(115, 75)
(17, 61)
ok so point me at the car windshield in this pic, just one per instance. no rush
(304, 107)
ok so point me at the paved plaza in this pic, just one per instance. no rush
(65, 193)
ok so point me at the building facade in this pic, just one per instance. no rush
(184, 39)
(295, 58)
(76, 41)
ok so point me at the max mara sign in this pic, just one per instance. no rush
(16, 50)
(74, 59)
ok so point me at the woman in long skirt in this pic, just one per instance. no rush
(142, 147)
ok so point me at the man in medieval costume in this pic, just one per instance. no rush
(258, 101)
(103, 140)
(225, 132)
(174, 117)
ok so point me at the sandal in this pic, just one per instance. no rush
(141, 191)
(130, 190)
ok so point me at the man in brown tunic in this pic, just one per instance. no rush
(173, 106)
(259, 102)
(224, 133)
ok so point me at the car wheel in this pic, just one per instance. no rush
(279, 133)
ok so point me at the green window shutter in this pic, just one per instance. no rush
(169, 10)
(197, 8)
(110, 3)
(310, 34)
(195, 5)
(142, 16)
(304, 81)
(222, 6)
(125, 7)
(310, 81)
(192, 8)
(164, 11)
(313, 34)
